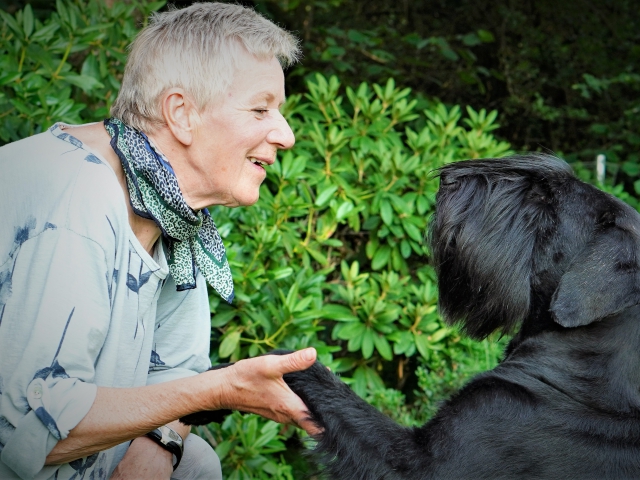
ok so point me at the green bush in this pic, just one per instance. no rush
(332, 255)
(67, 68)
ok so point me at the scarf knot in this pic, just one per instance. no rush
(191, 236)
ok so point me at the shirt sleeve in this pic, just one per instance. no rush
(182, 335)
(53, 326)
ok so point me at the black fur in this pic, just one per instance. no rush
(519, 244)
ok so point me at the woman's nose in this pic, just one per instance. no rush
(281, 134)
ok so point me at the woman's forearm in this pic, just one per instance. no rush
(254, 385)
(121, 414)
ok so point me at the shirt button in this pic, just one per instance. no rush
(37, 391)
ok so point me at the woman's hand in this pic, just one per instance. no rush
(256, 385)
(144, 460)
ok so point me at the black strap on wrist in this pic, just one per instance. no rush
(170, 440)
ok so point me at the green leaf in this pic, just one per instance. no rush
(386, 211)
(383, 347)
(405, 248)
(85, 82)
(403, 343)
(367, 343)
(229, 343)
(13, 25)
(254, 350)
(62, 108)
(333, 311)
(439, 335)
(317, 255)
(155, 6)
(292, 297)
(32, 81)
(631, 168)
(399, 205)
(280, 273)
(371, 248)
(371, 223)
(449, 53)
(354, 344)
(9, 77)
(97, 27)
(292, 167)
(224, 447)
(374, 382)
(413, 231)
(471, 40)
(360, 381)
(222, 318)
(45, 33)
(381, 257)
(22, 107)
(326, 195)
(486, 36)
(27, 20)
(305, 316)
(422, 344)
(343, 210)
(62, 11)
(422, 204)
(351, 330)
(37, 54)
(344, 364)
(302, 305)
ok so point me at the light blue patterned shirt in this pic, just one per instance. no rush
(82, 304)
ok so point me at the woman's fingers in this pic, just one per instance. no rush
(257, 386)
(300, 360)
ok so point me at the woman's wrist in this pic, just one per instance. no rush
(215, 390)
(157, 459)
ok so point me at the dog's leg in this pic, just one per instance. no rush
(358, 442)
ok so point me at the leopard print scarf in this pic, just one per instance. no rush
(191, 237)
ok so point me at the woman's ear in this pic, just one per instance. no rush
(180, 114)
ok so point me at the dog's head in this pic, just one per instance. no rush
(519, 236)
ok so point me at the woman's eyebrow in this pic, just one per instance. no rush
(266, 96)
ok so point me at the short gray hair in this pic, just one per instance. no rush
(195, 48)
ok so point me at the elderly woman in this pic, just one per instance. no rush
(106, 248)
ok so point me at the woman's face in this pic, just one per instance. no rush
(241, 133)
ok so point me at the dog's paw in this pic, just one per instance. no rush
(317, 386)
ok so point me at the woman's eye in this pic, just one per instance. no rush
(261, 111)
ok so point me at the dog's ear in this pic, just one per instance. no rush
(603, 280)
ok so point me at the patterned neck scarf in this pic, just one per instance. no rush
(192, 237)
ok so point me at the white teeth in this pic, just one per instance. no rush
(258, 162)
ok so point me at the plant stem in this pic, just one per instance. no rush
(64, 59)
(22, 55)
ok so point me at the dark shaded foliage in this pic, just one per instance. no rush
(565, 76)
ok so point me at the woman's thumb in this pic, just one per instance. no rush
(300, 360)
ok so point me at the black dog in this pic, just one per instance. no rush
(516, 242)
